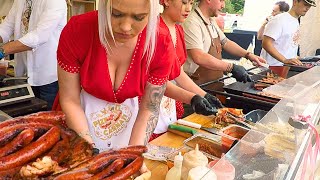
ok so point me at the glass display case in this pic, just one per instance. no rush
(276, 146)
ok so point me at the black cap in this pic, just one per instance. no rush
(311, 2)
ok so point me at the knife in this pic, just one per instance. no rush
(198, 126)
(173, 128)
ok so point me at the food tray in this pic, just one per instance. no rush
(210, 146)
(232, 133)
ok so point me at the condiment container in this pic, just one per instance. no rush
(224, 170)
(201, 173)
(192, 159)
(175, 172)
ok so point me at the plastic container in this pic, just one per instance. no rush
(213, 147)
(201, 173)
(3, 67)
(233, 133)
(224, 170)
(191, 160)
(255, 115)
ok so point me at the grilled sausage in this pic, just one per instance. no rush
(129, 170)
(26, 120)
(24, 138)
(61, 150)
(114, 167)
(5, 137)
(75, 175)
(10, 132)
(139, 149)
(31, 151)
(105, 161)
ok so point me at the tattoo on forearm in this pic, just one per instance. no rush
(154, 99)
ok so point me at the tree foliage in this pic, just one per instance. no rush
(234, 6)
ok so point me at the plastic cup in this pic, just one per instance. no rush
(3, 67)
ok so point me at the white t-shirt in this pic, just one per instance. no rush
(197, 36)
(284, 29)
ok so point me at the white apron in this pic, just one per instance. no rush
(110, 124)
(167, 115)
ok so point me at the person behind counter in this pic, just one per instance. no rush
(278, 8)
(107, 58)
(176, 11)
(36, 26)
(281, 36)
(204, 43)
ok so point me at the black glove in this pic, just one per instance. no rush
(201, 106)
(215, 102)
(240, 74)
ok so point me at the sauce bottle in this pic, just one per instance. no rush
(192, 159)
(175, 172)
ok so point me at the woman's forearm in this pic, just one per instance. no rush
(69, 97)
(76, 119)
(175, 92)
(185, 82)
(148, 115)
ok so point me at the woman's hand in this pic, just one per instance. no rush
(215, 102)
(201, 106)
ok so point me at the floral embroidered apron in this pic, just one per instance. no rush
(110, 124)
(167, 114)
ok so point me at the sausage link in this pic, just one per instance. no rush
(139, 149)
(61, 150)
(129, 170)
(105, 161)
(24, 138)
(49, 115)
(114, 167)
(6, 137)
(10, 132)
(75, 175)
(32, 150)
(27, 120)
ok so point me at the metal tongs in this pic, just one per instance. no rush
(241, 120)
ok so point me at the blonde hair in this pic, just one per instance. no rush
(104, 19)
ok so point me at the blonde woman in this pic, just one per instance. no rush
(106, 59)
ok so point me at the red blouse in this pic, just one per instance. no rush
(180, 49)
(80, 51)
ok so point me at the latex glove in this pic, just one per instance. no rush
(293, 61)
(201, 106)
(215, 102)
(240, 74)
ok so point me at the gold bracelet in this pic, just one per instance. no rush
(84, 133)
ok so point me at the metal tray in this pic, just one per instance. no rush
(240, 88)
